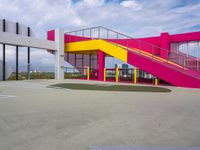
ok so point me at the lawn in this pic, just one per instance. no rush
(107, 87)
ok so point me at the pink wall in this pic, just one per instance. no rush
(162, 41)
(73, 38)
(185, 37)
(173, 75)
(165, 44)
(51, 35)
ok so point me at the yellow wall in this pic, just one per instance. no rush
(94, 45)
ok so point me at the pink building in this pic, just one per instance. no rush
(171, 58)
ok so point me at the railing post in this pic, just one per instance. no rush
(75, 36)
(83, 33)
(98, 32)
(104, 74)
(117, 74)
(156, 81)
(135, 76)
(90, 32)
(68, 37)
(88, 73)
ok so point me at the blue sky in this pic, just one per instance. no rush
(137, 18)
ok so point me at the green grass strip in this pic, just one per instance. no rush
(105, 87)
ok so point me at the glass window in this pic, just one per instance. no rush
(79, 56)
(79, 63)
(183, 48)
(193, 48)
(174, 47)
(86, 61)
(71, 59)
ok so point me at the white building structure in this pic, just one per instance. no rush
(16, 34)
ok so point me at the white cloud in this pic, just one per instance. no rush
(133, 17)
(93, 2)
(129, 16)
(131, 4)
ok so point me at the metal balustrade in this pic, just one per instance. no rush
(80, 73)
(172, 59)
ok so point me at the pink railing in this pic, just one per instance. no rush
(183, 62)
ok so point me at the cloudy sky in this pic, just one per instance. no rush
(137, 18)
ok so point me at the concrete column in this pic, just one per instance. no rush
(101, 65)
(165, 44)
(59, 54)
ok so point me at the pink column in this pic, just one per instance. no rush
(164, 43)
(101, 65)
(51, 35)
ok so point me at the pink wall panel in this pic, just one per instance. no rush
(164, 44)
(51, 35)
(185, 37)
(170, 74)
(173, 76)
(73, 38)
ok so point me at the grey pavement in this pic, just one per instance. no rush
(34, 117)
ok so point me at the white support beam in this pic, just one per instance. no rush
(59, 54)
(22, 40)
(57, 46)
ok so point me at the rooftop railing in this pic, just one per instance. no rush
(169, 58)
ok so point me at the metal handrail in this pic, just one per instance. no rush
(139, 42)
(127, 36)
(169, 66)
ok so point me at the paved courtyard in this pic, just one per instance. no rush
(36, 117)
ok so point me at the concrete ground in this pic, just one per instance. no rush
(34, 117)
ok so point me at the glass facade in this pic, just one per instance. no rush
(79, 63)
(187, 48)
(186, 54)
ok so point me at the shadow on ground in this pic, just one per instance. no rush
(106, 87)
